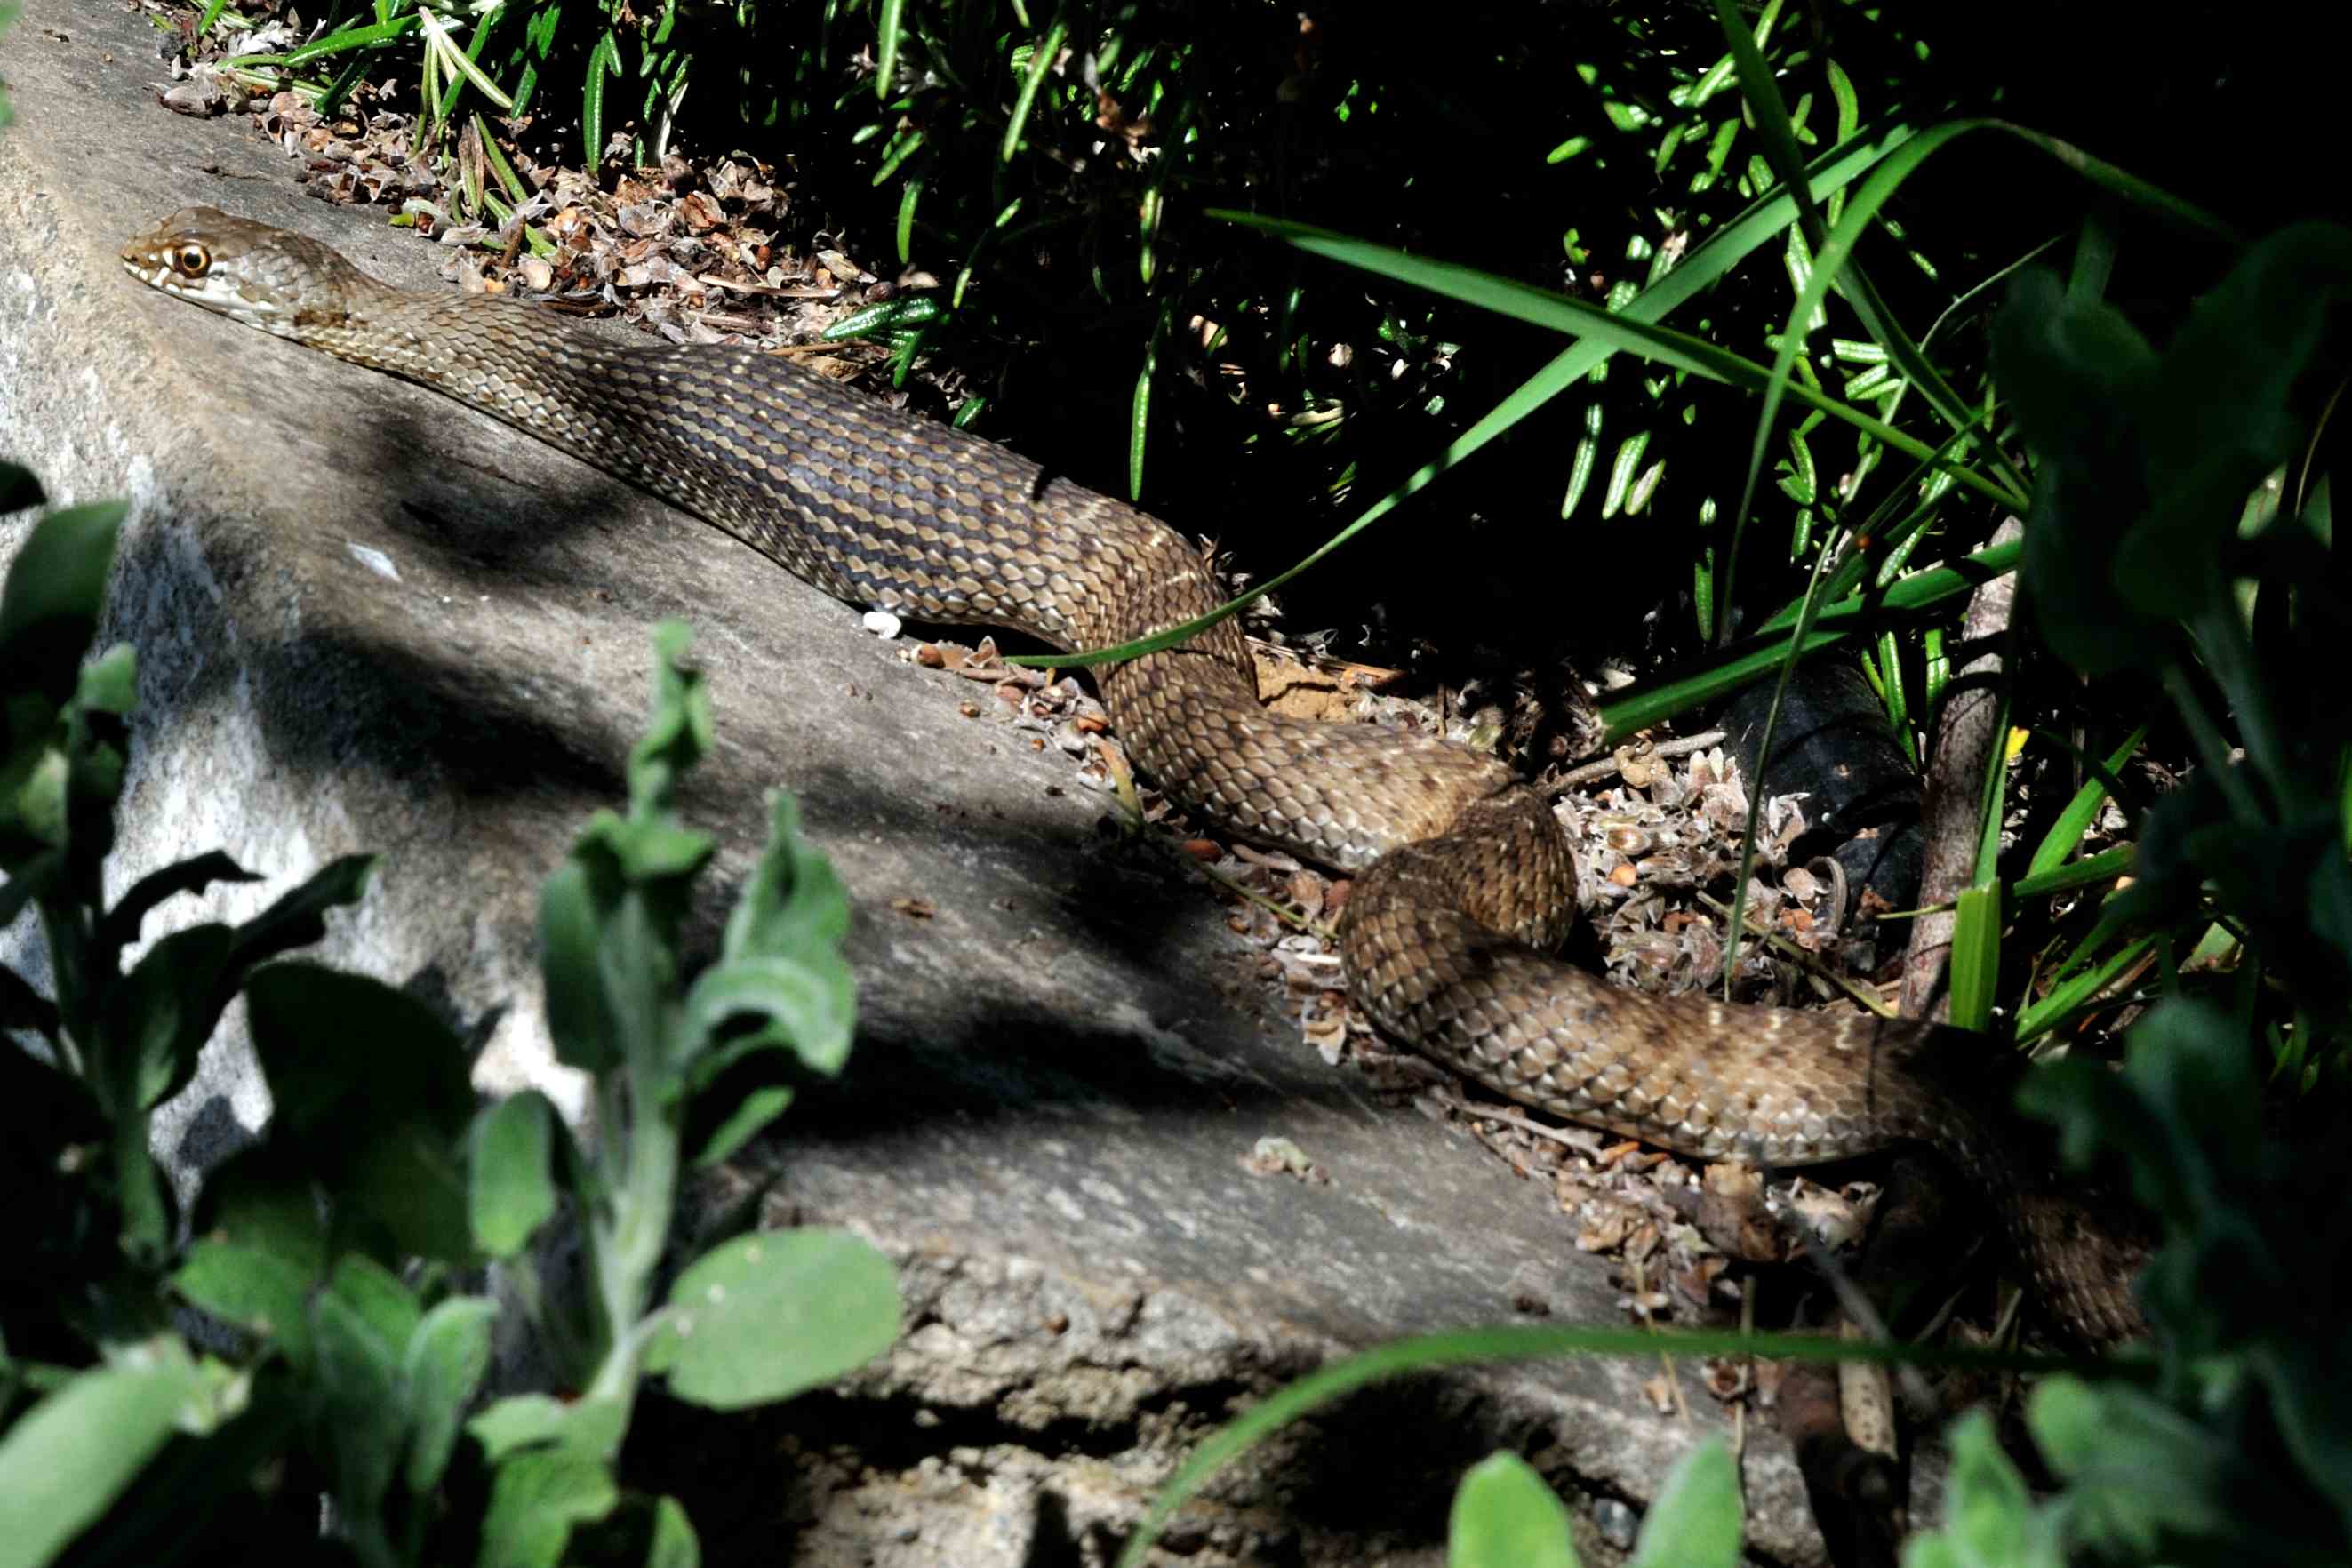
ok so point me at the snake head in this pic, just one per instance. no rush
(266, 276)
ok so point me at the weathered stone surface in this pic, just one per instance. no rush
(367, 619)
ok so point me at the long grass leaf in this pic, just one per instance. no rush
(2078, 993)
(1706, 262)
(2067, 832)
(885, 46)
(1048, 51)
(1649, 704)
(1976, 956)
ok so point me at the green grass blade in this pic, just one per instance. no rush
(1976, 956)
(604, 57)
(338, 43)
(1536, 391)
(1706, 264)
(1139, 425)
(1039, 64)
(1621, 329)
(885, 46)
(460, 62)
(2106, 865)
(2066, 833)
(1643, 706)
(909, 194)
(2076, 993)
(1996, 787)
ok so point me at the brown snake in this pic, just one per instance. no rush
(1466, 879)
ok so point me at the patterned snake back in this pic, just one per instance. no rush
(1466, 879)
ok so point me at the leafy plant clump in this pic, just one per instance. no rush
(2178, 552)
(312, 1327)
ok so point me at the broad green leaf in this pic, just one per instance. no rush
(1989, 1517)
(2077, 373)
(445, 1359)
(675, 1544)
(372, 1088)
(189, 876)
(2219, 417)
(1505, 1516)
(364, 1415)
(2311, 1419)
(50, 603)
(765, 1316)
(262, 1198)
(513, 1182)
(538, 1496)
(660, 851)
(297, 919)
(809, 1004)
(254, 1289)
(578, 1018)
(376, 1297)
(794, 902)
(677, 734)
(1696, 1521)
(344, 1054)
(2068, 1426)
(159, 1018)
(108, 684)
(591, 1426)
(66, 1460)
(407, 1176)
(2139, 1473)
(33, 801)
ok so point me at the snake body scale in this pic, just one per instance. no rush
(1465, 879)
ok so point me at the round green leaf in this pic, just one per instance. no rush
(66, 1460)
(447, 1358)
(254, 1288)
(512, 1190)
(1505, 1517)
(765, 1316)
(1696, 1521)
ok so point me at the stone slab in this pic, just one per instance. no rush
(368, 619)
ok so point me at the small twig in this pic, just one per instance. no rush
(1811, 962)
(1289, 916)
(1606, 767)
(1579, 1138)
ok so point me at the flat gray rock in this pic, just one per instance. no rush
(369, 620)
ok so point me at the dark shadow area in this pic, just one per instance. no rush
(1376, 1469)
(1443, 143)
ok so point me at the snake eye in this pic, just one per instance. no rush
(192, 260)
